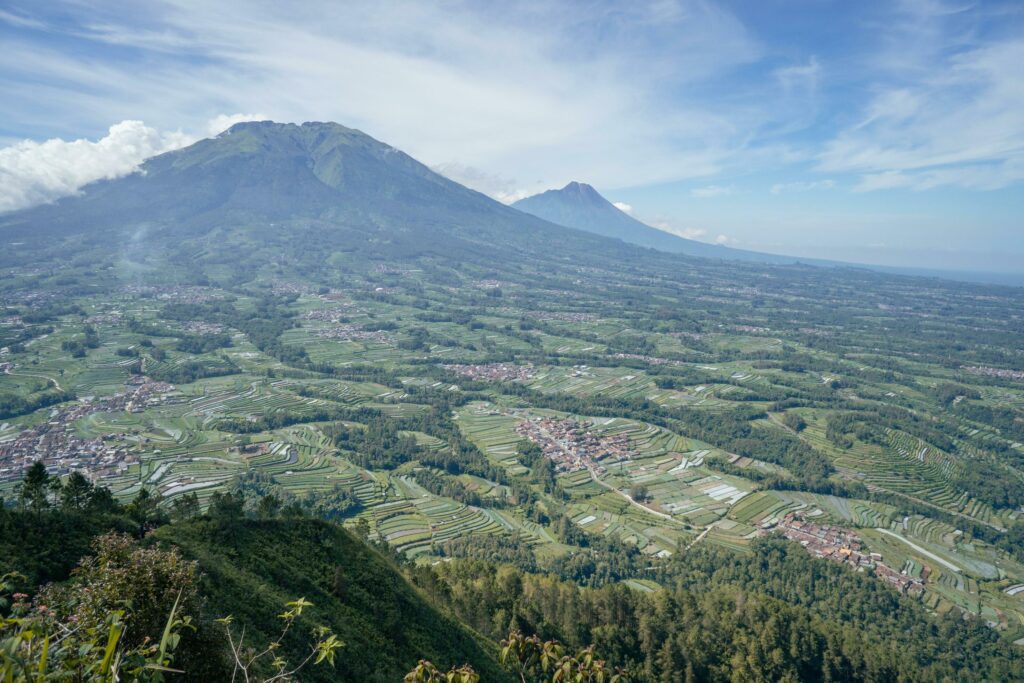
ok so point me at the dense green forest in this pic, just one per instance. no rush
(775, 614)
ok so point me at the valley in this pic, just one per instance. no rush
(458, 381)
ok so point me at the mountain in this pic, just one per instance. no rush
(265, 184)
(578, 205)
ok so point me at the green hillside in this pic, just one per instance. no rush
(773, 615)
(251, 568)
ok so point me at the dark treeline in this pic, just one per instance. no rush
(13, 405)
(775, 615)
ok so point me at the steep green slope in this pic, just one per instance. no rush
(252, 568)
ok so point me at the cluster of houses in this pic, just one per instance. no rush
(108, 318)
(503, 372)
(201, 327)
(572, 446)
(563, 316)
(183, 294)
(335, 314)
(280, 287)
(57, 443)
(489, 284)
(353, 332)
(647, 359)
(843, 546)
(994, 372)
(341, 329)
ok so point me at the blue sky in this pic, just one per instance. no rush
(884, 132)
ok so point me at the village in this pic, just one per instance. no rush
(63, 451)
(994, 372)
(341, 329)
(352, 332)
(571, 446)
(647, 359)
(495, 372)
(842, 545)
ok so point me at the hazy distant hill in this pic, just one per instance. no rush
(579, 205)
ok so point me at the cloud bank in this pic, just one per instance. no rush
(34, 173)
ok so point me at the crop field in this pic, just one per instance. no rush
(647, 416)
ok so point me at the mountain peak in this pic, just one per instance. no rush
(582, 191)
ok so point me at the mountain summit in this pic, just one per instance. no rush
(579, 205)
(272, 186)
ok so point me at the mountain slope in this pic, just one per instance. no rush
(251, 568)
(268, 184)
(578, 205)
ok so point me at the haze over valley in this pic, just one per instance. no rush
(306, 394)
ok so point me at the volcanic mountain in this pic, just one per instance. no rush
(578, 205)
(315, 186)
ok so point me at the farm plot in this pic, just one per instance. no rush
(611, 516)
(680, 488)
(622, 383)
(847, 511)
(907, 466)
(493, 433)
(950, 581)
(420, 519)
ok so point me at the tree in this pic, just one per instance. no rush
(425, 672)
(36, 645)
(268, 506)
(185, 506)
(537, 661)
(37, 488)
(246, 660)
(121, 616)
(639, 493)
(76, 493)
(145, 511)
(227, 507)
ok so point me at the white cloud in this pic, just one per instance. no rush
(711, 191)
(623, 207)
(803, 186)
(957, 122)
(687, 232)
(495, 186)
(725, 240)
(589, 91)
(38, 172)
(221, 123)
(799, 77)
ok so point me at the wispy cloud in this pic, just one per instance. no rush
(623, 207)
(946, 110)
(543, 92)
(688, 232)
(803, 186)
(711, 191)
(503, 189)
(222, 122)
